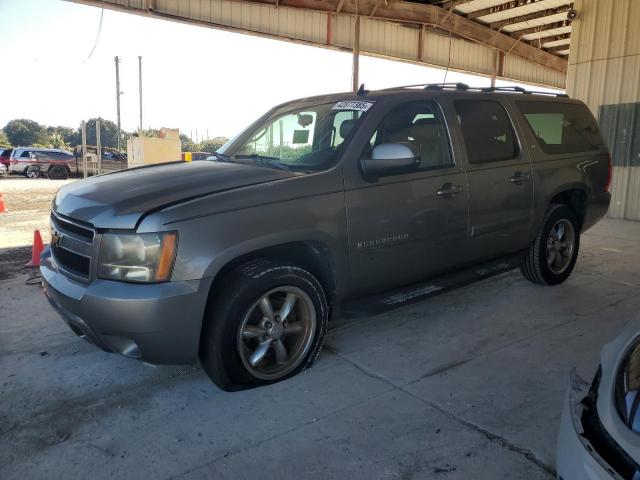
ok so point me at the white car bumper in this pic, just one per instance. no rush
(576, 457)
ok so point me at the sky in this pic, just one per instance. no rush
(194, 78)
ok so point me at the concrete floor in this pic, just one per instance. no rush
(468, 384)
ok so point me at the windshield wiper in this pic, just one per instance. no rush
(265, 161)
(222, 157)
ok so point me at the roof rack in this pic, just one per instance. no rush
(447, 86)
(463, 87)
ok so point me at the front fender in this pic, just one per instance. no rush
(206, 244)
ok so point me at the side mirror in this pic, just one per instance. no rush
(390, 159)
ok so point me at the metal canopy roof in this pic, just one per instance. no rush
(544, 24)
(521, 40)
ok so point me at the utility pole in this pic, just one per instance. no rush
(140, 89)
(356, 52)
(118, 96)
(83, 130)
(98, 146)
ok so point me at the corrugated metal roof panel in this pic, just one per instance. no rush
(379, 37)
(558, 17)
(556, 43)
(522, 10)
(546, 33)
(515, 66)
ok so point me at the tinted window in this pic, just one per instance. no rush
(25, 154)
(562, 127)
(487, 131)
(419, 124)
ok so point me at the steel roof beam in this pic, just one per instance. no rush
(530, 16)
(499, 8)
(559, 48)
(550, 38)
(540, 28)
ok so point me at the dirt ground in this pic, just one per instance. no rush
(27, 202)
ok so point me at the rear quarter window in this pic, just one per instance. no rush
(562, 127)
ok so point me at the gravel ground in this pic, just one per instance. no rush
(28, 202)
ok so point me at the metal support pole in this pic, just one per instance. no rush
(83, 129)
(98, 147)
(118, 96)
(356, 53)
(140, 90)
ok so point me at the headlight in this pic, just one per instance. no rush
(144, 257)
(628, 388)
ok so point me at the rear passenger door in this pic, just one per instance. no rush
(500, 179)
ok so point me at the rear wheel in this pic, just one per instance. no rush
(58, 173)
(266, 323)
(551, 258)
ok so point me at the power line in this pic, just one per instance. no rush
(95, 44)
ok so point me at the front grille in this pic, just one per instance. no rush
(72, 245)
(76, 228)
(71, 261)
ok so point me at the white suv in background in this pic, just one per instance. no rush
(20, 159)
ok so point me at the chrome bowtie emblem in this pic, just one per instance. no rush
(56, 238)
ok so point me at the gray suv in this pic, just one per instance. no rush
(240, 261)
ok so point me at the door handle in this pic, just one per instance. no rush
(448, 190)
(519, 178)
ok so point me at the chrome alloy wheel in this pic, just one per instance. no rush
(277, 332)
(560, 246)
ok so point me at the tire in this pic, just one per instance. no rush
(32, 171)
(237, 331)
(58, 173)
(551, 258)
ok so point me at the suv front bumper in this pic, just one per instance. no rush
(159, 323)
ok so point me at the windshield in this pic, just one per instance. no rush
(306, 138)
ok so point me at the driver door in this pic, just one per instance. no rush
(408, 227)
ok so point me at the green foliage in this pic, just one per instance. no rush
(211, 145)
(56, 140)
(187, 144)
(68, 135)
(4, 140)
(108, 133)
(152, 132)
(23, 132)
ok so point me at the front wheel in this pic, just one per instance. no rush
(551, 258)
(32, 171)
(266, 323)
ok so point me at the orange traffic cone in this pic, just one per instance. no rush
(36, 250)
(2, 207)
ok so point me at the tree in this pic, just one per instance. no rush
(69, 135)
(212, 145)
(56, 140)
(23, 132)
(187, 143)
(4, 141)
(108, 133)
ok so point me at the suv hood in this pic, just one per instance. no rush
(119, 200)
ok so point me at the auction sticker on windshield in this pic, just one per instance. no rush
(357, 105)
